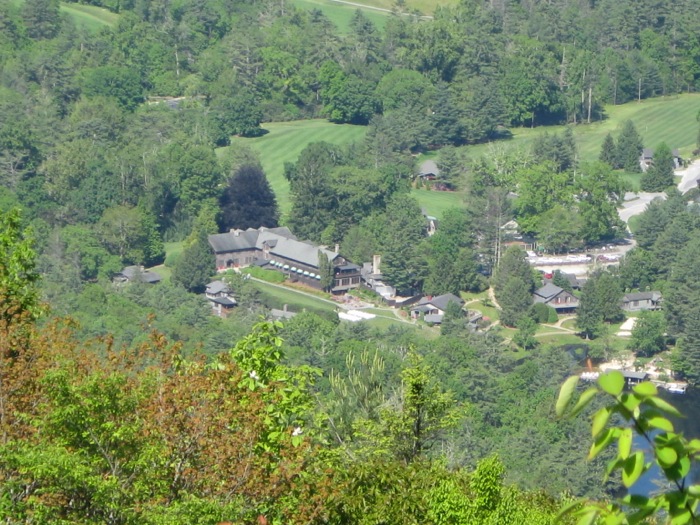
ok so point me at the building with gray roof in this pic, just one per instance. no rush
(279, 249)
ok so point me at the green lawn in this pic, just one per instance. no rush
(436, 202)
(341, 14)
(286, 140)
(90, 16)
(295, 300)
(669, 119)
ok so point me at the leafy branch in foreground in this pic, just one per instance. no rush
(644, 413)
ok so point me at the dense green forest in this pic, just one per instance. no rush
(133, 404)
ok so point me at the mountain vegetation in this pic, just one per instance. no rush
(128, 403)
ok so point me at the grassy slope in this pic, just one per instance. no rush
(669, 119)
(286, 140)
(341, 14)
(663, 119)
(90, 16)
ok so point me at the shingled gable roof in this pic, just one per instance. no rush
(280, 242)
(302, 252)
(641, 296)
(548, 291)
(236, 240)
(441, 301)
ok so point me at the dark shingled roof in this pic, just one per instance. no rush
(146, 276)
(547, 291)
(224, 301)
(641, 296)
(215, 287)
(632, 374)
(441, 301)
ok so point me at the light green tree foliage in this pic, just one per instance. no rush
(525, 336)
(286, 389)
(646, 415)
(18, 276)
(560, 229)
(359, 394)
(417, 418)
(599, 192)
(648, 334)
(541, 187)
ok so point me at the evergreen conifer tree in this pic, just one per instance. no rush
(196, 265)
(659, 176)
(515, 301)
(608, 152)
(629, 148)
(588, 318)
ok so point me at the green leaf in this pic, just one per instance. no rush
(600, 443)
(584, 400)
(667, 456)
(681, 518)
(588, 518)
(636, 500)
(599, 421)
(569, 508)
(694, 490)
(683, 466)
(624, 443)
(646, 389)
(664, 406)
(633, 468)
(612, 382)
(661, 423)
(630, 402)
(565, 394)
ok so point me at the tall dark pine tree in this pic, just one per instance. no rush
(608, 152)
(629, 148)
(513, 264)
(325, 270)
(248, 201)
(588, 318)
(515, 301)
(659, 175)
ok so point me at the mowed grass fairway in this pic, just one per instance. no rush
(670, 119)
(665, 119)
(286, 140)
(341, 14)
(89, 16)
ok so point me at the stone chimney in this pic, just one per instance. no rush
(284, 308)
(337, 248)
(376, 263)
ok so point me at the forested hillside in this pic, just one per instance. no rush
(130, 403)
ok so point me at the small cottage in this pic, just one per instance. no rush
(433, 308)
(556, 297)
(638, 301)
(221, 298)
